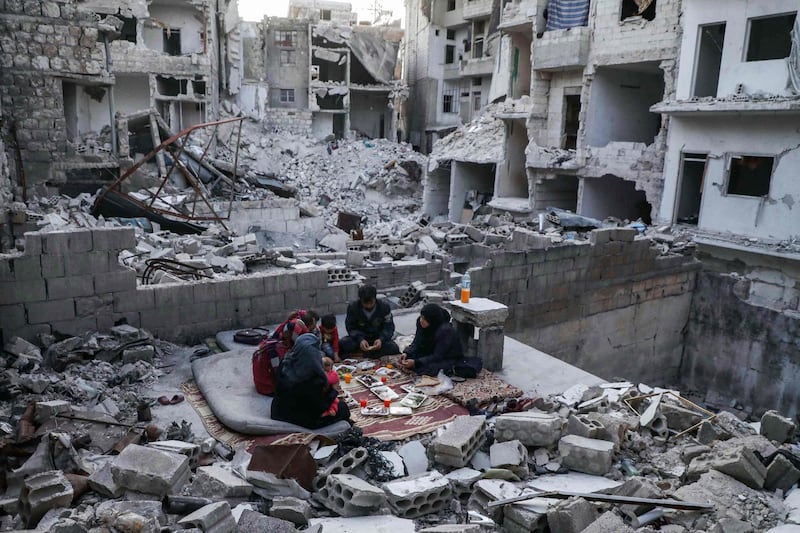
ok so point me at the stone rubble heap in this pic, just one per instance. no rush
(75, 414)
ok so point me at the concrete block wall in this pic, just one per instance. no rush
(400, 274)
(613, 309)
(71, 282)
(295, 121)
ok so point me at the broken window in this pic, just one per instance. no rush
(128, 32)
(451, 35)
(709, 60)
(172, 41)
(199, 87)
(449, 54)
(447, 103)
(287, 96)
(477, 50)
(286, 38)
(691, 188)
(770, 37)
(749, 175)
(638, 8)
(325, 14)
(572, 111)
(451, 5)
(287, 57)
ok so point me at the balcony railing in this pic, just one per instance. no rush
(561, 49)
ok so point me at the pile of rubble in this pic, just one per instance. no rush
(82, 453)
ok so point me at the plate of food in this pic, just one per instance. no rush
(388, 372)
(366, 365)
(384, 393)
(368, 381)
(375, 410)
(344, 369)
(409, 388)
(413, 400)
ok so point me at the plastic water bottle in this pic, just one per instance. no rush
(465, 287)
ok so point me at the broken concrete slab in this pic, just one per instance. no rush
(213, 518)
(42, 492)
(590, 456)
(571, 516)
(149, 470)
(294, 510)
(608, 521)
(511, 455)
(255, 522)
(365, 524)
(217, 482)
(776, 427)
(781, 474)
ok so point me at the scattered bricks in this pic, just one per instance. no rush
(599, 236)
(781, 474)
(213, 518)
(614, 426)
(742, 465)
(462, 480)
(459, 442)
(511, 455)
(150, 470)
(218, 483)
(530, 428)
(294, 510)
(255, 522)
(50, 311)
(113, 238)
(456, 238)
(139, 353)
(351, 494)
(416, 496)
(42, 492)
(608, 521)
(776, 427)
(474, 233)
(571, 516)
(102, 482)
(590, 456)
(46, 410)
(192, 451)
(121, 281)
(518, 519)
(583, 426)
(67, 242)
(344, 465)
(488, 490)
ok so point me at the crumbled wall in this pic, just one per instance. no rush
(738, 351)
(40, 43)
(6, 189)
(294, 121)
(613, 309)
(71, 282)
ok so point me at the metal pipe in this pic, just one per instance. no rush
(648, 518)
(111, 104)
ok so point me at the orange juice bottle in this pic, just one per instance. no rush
(465, 288)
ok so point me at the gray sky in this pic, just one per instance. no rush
(254, 10)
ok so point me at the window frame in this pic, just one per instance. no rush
(451, 6)
(729, 157)
(290, 96)
(291, 42)
(748, 34)
(325, 14)
(290, 60)
(450, 50)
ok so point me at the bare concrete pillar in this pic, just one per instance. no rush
(490, 318)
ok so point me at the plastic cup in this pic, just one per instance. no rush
(363, 403)
(387, 403)
(347, 378)
(383, 379)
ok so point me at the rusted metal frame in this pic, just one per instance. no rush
(198, 186)
(171, 168)
(235, 168)
(709, 415)
(202, 158)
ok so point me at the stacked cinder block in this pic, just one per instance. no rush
(531, 428)
(345, 464)
(42, 492)
(419, 495)
(151, 471)
(337, 274)
(459, 442)
(412, 294)
(348, 496)
(462, 480)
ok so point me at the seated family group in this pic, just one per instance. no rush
(294, 365)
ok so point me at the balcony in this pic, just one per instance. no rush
(483, 66)
(476, 9)
(451, 71)
(519, 108)
(561, 49)
(544, 157)
(518, 14)
(708, 106)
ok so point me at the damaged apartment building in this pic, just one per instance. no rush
(320, 73)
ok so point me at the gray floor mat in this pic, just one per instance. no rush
(226, 381)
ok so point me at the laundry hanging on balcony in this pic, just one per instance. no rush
(563, 14)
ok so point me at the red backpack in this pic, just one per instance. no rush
(266, 359)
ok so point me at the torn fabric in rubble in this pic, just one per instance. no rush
(563, 14)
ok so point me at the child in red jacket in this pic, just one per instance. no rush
(330, 337)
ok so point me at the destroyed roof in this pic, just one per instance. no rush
(375, 50)
(480, 141)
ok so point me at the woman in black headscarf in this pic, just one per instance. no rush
(436, 345)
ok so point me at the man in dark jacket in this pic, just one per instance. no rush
(436, 345)
(370, 326)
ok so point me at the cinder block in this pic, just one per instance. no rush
(33, 243)
(42, 492)
(113, 238)
(345, 464)
(418, 495)
(279, 283)
(139, 353)
(50, 311)
(741, 465)
(76, 326)
(149, 470)
(530, 428)
(268, 305)
(94, 305)
(590, 456)
(291, 509)
(247, 287)
(218, 483)
(518, 519)
(213, 518)
(572, 516)
(141, 299)
(85, 263)
(316, 278)
(26, 267)
(583, 426)
(459, 442)
(781, 474)
(12, 317)
(212, 291)
(46, 410)
(60, 288)
(66, 242)
(12, 292)
(120, 281)
(776, 427)
(608, 521)
(348, 496)
(461, 481)
(488, 490)
(174, 295)
(510, 455)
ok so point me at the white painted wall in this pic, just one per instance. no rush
(92, 115)
(322, 125)
(766, 76)
(464, 177)
(252, 99)
(776, 216)
(512, 180)
(132, 93)
(176, 16)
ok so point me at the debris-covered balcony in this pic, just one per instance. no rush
(561, 49)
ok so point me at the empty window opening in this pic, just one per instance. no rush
(128, 32)
(330, 71)
(770, 37)
(437, 191)
(749, 175)
(325, 14)
(619, 104)
(472, 186)
(171, 86)
(286, 38)
(477, 49)
(611, 196)
(359, 73)
(448, 105)
(693, 172)
(560, 192)
(451, 5)
(331, 102)
(69, 91)
(709, 59)
(477, 81)
(572, 112)
(287, 96)
(449, 54)
(287, 57)
(638, 8)
(451, 35)
(172, 41)
(476, 101)
(199, 87)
